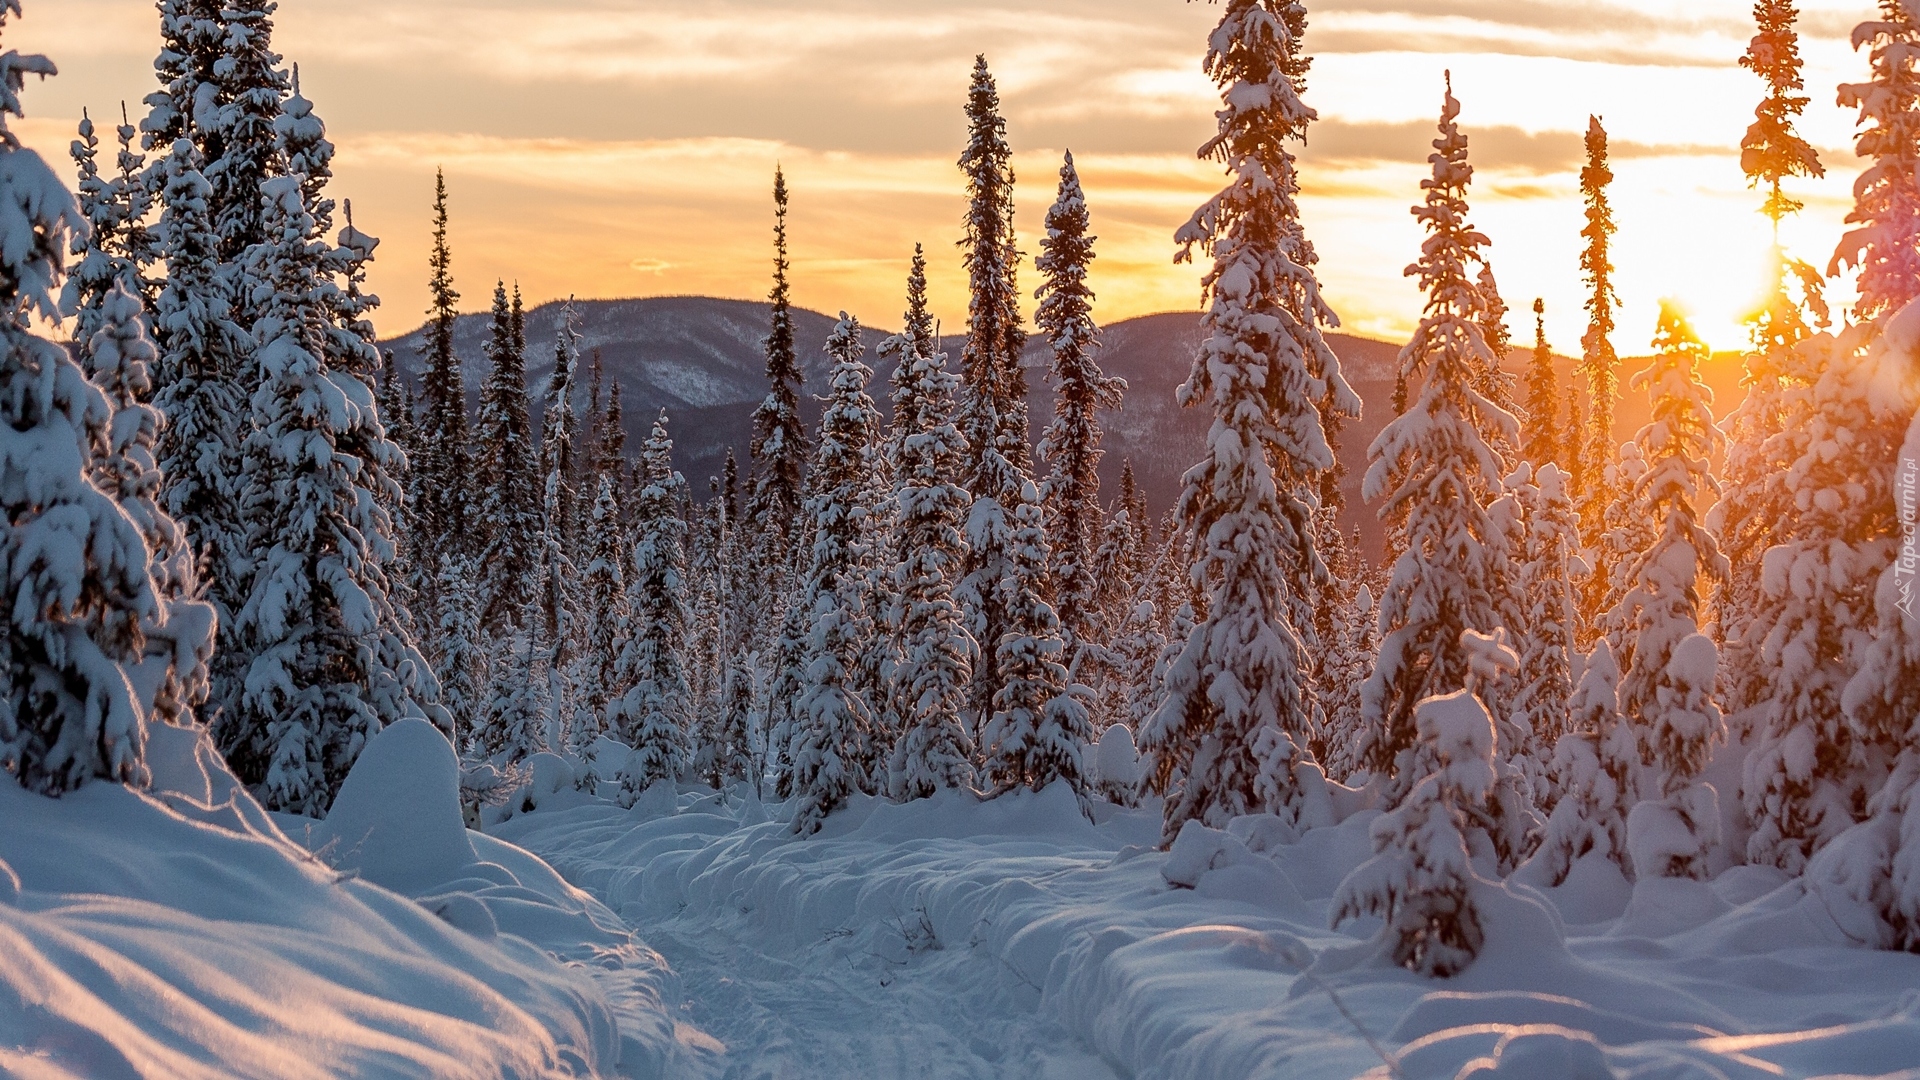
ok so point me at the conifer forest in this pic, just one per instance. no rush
(398, 707)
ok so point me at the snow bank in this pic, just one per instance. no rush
(181, 934)
(1213, 960)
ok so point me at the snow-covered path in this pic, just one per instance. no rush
(827, 989)
(819, 1012)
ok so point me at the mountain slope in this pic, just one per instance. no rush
(700, 358)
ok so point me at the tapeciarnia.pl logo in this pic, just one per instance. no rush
(1906, 567)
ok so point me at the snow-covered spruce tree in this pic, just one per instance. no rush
(605, 587)
(512, 725)
(1421, 877)
(75, 569)
(1747, 516)
(322, 538)
(1591, 774)
(172, 676)
(98, 265)
(190, 44)
(1542, 442)
(1436, 461)
(1593, 492)
(1070, 446)
(193, 387)
(1666, 690)
(993, 398)
(239, 140)
(555, 590)
(1885, 244)
(443, 461)
(1229, 738)
(1811, 773)
(991, 411)
(458, 643)
(1546, 581)
(934, 750)
(831, 749)
(777, 453)
(1040, 728)
(1351, 650)
(654, 712)
(507, 511)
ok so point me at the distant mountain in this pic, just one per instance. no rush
(700, 358)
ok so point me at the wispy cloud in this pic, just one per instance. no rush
(609, 147)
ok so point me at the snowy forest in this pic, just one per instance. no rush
(1664, 679)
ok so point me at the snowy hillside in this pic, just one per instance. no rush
(701, 359)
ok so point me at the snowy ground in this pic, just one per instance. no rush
(1013, 939)
(183, 934)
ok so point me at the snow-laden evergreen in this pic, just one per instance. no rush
(1666, 692)
(459, 646)
(778, 451)
(604, 589)
(1437, 461)
(239, 135)
(934, 749)
(1040, 729)
(1545, 578)
(74, 565)
(1885, 243)
(1070, 446)
(328, 659)
(555, 578)
(172, 676)
(508, 505)
(1421, 878)
(654, 710)
(442, 465)
(1592, 488)
(1542, 431)
(1591, 774)
(831, 749)
(993, 395)
(194, 389)
(1230, 737)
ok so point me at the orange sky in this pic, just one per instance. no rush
(624, 147)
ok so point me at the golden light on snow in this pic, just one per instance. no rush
(618, 150)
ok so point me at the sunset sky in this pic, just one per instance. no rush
(612, 148)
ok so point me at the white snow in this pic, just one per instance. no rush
(955, 937)
(182, 934)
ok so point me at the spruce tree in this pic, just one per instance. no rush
(993, 400)
(554, 571)
(1232, 730)
(831, 748)
(1545, 579)
(1748, 515)
(934, 750)
(444, 465)
(75, 568)
(778, 452)
(654, 713)
(1070, 446)
(1666, 692)
(240, 143)
(198, 452)
(1040, 728)
(1828, 578)
(1597, 359)
(1437, 460)
(459, 645)
(1885, 244)
(1542, 443)
(1592, 774)
(1421, 879)
(607, 613)
(507, 514)
(329, 664)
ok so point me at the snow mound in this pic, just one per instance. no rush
(180, 933)
(396, 821)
